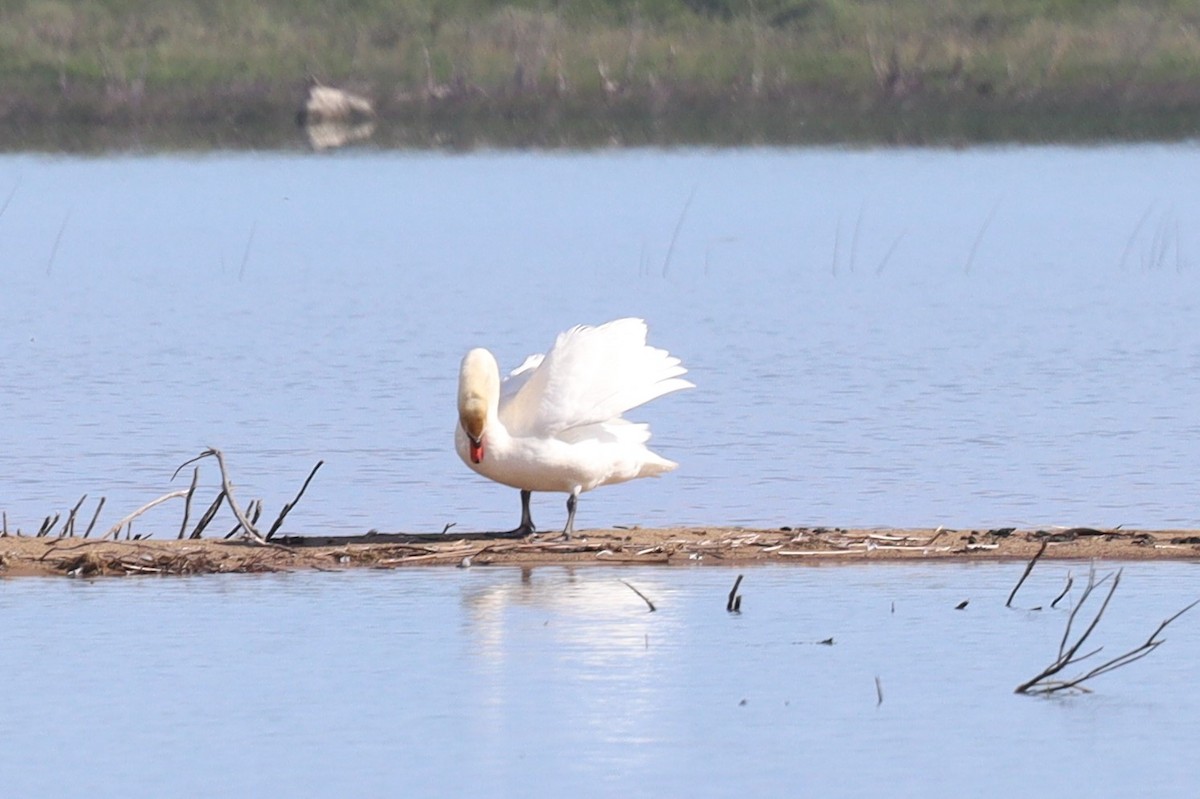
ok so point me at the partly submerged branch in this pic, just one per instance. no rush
(1068, 650)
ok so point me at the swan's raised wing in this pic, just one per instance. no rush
(518, 377)
(590, 375)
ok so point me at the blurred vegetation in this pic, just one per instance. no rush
(609, 69)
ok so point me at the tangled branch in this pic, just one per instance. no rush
(1068, 650)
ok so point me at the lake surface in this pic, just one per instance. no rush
(879, 337)
(449, 682)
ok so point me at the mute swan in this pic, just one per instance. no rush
(554, 424)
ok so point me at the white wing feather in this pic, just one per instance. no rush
(590, 376)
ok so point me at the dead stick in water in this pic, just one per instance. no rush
(878, 691)
(288, 507)
(187, 502)
(1070, 582)
(734, 605)
(1028, 569)
(643, 596)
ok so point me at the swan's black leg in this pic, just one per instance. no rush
(572, 501)
(526, 527)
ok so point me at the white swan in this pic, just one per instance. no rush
(555, 423)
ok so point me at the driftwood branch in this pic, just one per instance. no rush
(1068, 650)
(251, 533)
(643, 596)
(115, 530)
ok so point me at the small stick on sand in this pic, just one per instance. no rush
(643, 596)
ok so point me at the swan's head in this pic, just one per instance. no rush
(478, 397)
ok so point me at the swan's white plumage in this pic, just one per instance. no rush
(555, 423)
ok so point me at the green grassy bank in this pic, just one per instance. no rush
(537, 72)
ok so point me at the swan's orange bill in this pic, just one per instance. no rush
(476, 451)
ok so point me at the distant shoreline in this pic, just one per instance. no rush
(250, 120)
(521, 74)
(24, 556)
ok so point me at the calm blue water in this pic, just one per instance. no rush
(980, 337)
(449, 682)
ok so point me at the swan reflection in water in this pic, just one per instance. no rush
(598, 652)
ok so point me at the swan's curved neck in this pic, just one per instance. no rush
(478, 398)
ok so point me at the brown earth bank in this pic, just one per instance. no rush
(78, 557)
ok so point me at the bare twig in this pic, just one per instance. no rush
(288, 507)
(734, 605)
(643, 596)
(979, 237)
(69, 527)
(47, 525)
(854, 237)
(207, 516)
(95, 516)
(878, 692)
(837, 245)
(1028, 569)
(1068, 651)
(1133, 236)
(675, 234)
(8, 199)
(888, 255)
(187, 504)
(1066, 589)
(57, 241)
(253, 511)
(246, 252)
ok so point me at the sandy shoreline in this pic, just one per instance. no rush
(77, 557)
